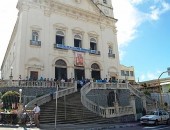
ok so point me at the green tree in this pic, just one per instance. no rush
(9, 98)
(146, 92)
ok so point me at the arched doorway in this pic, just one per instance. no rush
(79, 73)
(60, 69)
(95, 73)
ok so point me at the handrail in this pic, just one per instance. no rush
(46, 98)
(38, 83)
(136, 91)
(102, 111)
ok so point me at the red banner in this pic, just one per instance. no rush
(79, 60)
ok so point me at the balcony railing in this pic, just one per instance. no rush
(36, 43)
(94, 52)
(111, 55)
(61, 46)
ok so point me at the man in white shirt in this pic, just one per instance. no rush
(36, 111)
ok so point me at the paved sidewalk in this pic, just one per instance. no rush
(87, 126)
(71, 126)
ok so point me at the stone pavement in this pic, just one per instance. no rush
(70, 126)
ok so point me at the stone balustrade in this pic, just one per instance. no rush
(107, 112)
(27, 83)
(71, 88)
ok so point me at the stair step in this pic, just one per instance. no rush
(75, 111)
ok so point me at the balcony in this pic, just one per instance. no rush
(111, 55)
(35, 43)
(61, 46)
(95, 52)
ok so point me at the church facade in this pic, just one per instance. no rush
(63, 39)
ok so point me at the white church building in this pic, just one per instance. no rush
(63, 39)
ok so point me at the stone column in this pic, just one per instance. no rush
(116, 104)
(70, 73)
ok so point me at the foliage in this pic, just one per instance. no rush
(146, 92)
(9, 98)
(166, 104)
(39, 95)
(10, 93)
(0, 95)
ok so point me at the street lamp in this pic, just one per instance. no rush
(11, 73)
(20, 92)
(160, 90)
(56, 106)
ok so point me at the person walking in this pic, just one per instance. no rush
(36, 111)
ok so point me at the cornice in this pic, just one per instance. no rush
(80, 14)
(54, 7)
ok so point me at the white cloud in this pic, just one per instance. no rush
(130, 18)
(142, 77)
(122, 53)
(156, 10)
(148, 76)
(8, 14)
(151, 75)
(136, 1)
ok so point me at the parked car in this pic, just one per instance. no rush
(156, 117)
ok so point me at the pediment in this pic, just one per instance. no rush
(80, 5)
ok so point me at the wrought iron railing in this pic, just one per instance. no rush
(36, 43)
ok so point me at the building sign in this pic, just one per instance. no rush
(79, 59)
(71, 48)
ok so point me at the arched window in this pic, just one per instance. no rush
(110, 50)
(93, 44)
(61, 63)
(77, 41)
(60, 33)
(60, 37)
(95, 66)
(35, 35)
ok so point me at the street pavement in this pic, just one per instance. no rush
(119, 126)
(68, 126)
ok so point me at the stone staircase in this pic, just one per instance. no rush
(71, 112)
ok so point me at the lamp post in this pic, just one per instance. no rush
(160, 90)
(11, 73)
(20, 94)
(56, 106)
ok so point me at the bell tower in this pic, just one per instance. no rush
(105, 6)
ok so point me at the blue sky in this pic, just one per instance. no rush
(148, 42)
(143, 34)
